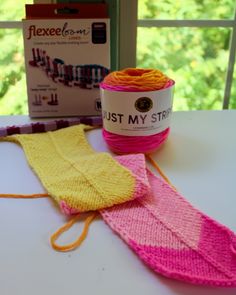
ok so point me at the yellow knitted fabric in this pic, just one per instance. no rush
(72, 172)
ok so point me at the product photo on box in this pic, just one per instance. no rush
(67, 55)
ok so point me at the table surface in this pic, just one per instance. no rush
(199, 158)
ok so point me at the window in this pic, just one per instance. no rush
(13, 97)
(194, 42)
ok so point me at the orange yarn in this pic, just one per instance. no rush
(17, 196)
(69, 224)
(140, 79)
(64, 228)
(162, 174)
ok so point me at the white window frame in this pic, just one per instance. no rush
(128, 46)
(128, 23)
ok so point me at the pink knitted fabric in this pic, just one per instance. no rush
(173, 238)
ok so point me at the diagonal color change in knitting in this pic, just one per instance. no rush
(175, 239)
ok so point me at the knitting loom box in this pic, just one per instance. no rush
(67, 55)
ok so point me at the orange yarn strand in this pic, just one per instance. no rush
(17, 196)
(154, 164)
(64, 228)
(67, 226)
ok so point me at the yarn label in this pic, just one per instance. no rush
(137, 113)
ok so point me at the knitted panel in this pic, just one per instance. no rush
(174, 238)
(77, 177)
(142, 185)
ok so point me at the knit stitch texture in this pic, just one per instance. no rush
(166, 232)
(174, 238)
(77, 177)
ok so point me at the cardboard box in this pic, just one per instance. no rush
(67, 55)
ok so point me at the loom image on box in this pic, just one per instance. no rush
(84, 76)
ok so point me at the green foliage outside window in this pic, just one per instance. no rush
(13, 97)
(196, 58)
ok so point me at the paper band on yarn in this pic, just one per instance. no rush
(137, 113)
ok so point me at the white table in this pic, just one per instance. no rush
(199, 158)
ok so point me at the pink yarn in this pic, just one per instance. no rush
(171, 236)
(122, 144)
(134, 144)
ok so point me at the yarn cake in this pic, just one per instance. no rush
(150, 83)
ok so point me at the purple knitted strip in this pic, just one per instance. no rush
(39, 127)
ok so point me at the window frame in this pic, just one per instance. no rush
(124, 26)
(216, 23)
